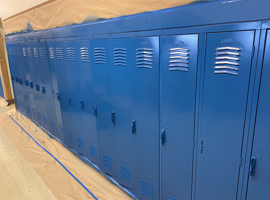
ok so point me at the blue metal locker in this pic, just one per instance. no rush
(177, 104)
(121, 57)
(226, 81)
(103, 108)
(57, 69)
(259, 175)
(1, 88)
(145, 115)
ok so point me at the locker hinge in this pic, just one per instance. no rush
(253, 51)
(240, 162)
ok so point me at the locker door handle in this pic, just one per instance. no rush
(133, 127)
(20, 81)
(16, 79)
(37, 87)
(26, 82)
(95, 110)
(82, 105)
(69, 100)
(43, 90)
(113, 117)
(252, 165)
(12, 78)
(58, 96)
(163, 136)
(31, 85)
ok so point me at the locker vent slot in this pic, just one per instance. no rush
(144, 58)
(93, 151)
(85, 54)
(172, 198)
(100, 56)
(69, 137)
(35, 50)
(24, 51)
(61, 130)
(147, 189)
(41, 52)
(45, 120)
(51, 52)
(34, 112)
(18, 51)
(39, 116)
(125, 173)
(29, 52)
(59, 53)
(227, 60)
(179, 59)
(52, 125)
(10, 51)
(80, 144)
(107, 161)
(71, 54)
(14, 51)
(120, 57)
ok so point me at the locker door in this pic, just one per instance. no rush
(58, 75)
(259, 179)
(145, 115)
(103, 104)
(89, 130)
(178, 85)
(121, 113)
(26, 80)
(227, 70)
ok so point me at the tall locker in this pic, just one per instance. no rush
(177, 101)
(259, 175)
(58, 71)
(221, 128)
(88, 129)
(121, 57)
(145, 115)
(103, 104)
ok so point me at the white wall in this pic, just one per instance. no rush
(12, 7)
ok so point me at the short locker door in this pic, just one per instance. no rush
(58, 74)
(178, 85)
(227, 71)
(89, 120)
(259, 178)
(103, 104)
(121, 113)
(145, 115)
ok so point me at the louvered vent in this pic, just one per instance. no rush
(14, 51)
(147, 189)
(10, 51)
(107, 161)
(227, 60)
(125, 173)
(45, 119)
(120, 57)
(144, 58)
(61, 130)
(69, 137)
(24, 51)
(51, 52)
(93, 151)
(35, 50)
(100, 55)
(179, 59)
(52, 125)
(29, 52)
(85, 54)
(41, 52)
(59, 53)
(172, 198)
(71, 54)
(80, 144)
(39, 116)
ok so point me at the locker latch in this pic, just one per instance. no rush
(37, 87)
(252, 165)
(133, 127)
(69, 100)
(163, 136)
(26, 82)
(95, 110)
(58, 96)
(16, 79)
(82, 105)
(43, 90)
(12, 78)
(31, 85)
(20, 81)
(113, 117)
